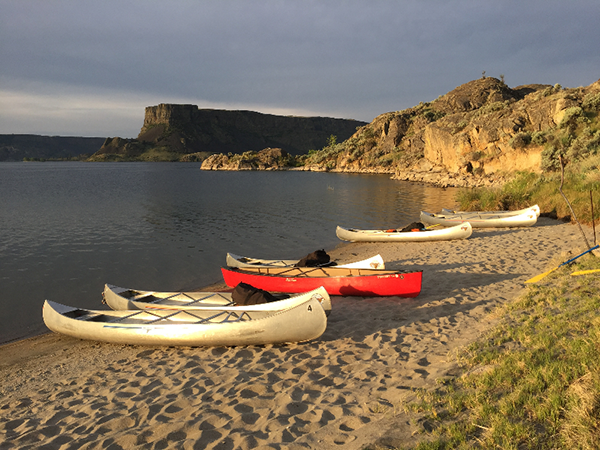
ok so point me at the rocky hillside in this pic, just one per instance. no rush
(172, 131)
(19, 147)
(266, 159)
(474, 135)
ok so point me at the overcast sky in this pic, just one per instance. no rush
(89, 68)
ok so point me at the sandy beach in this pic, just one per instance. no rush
(344, 390)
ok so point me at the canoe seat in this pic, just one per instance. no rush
(76, 313)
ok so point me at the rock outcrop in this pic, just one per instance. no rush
(267, 159)
(186, 129)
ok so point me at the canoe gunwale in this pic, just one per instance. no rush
(456, 231)
(117, 302)
(534, 208)
(307, 272)
(526, 219)
(241, 262)
(377, 283)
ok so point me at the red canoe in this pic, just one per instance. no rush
(335, 280)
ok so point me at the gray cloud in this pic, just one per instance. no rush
(93, 66)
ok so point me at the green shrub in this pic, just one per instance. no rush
(520, 140)
(490, 108)
(538, 138)
(584, 145)
(573, 116)
(459, 126)
(478, 199)
(249, 155)
(591, 102)
(432, 114)
(550, 90)
(550, 159)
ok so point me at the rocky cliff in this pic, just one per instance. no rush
(185, 129)
(474, 135)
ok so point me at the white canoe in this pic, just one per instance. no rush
(119, 298)
(242, 262)
(460, 231)
(227, 327)
(476, 220)
(517, 212)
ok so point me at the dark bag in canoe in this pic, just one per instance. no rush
(314, 259)
(415, 226)
(245, 294)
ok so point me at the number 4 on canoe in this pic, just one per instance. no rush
(545, 274)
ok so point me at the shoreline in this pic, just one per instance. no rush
(346, 389)
(215, 286)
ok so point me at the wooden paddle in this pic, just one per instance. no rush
(584, 272)
(545, 274)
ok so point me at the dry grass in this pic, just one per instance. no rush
(534, 381)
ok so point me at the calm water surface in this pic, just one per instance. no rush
(67, 228)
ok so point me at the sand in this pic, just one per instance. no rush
(344, 390)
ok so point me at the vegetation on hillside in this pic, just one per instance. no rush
(576, 137)
(278, 159)
(365, 150)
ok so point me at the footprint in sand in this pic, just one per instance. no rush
(343, 439)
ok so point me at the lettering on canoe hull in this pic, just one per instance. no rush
(396, 275)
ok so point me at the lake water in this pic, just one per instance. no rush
(67, 228)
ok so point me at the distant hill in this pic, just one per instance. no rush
(17, 147)
(170, 132)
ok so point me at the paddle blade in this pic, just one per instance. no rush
(584, 272)
(540, 276)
